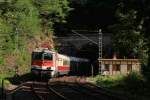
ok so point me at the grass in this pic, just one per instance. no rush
(5, 76)
(107, 81)
(133, 85)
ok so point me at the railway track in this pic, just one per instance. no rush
(60, 89)
(112, 94)
(42, 91)
(85, 92)
(70, 93)
(100, 92)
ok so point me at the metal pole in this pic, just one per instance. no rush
(2, 89)
(100, 50)
(92, 70)
(17, 39)
(17, 49)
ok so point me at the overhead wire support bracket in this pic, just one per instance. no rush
(84, 37)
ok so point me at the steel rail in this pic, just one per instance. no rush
(108, 92)
(33, 91)
(103, 92)
(78, 91)
(50, 89)
(84, 93)
(17, 88)
(57, 93)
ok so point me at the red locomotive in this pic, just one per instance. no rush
(45, 61)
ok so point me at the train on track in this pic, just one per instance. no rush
(51, 63)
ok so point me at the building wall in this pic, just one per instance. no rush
(120, 66)
(123, 69)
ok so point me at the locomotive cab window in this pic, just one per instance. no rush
(37, 55)
(47, 56)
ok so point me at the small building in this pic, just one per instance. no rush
(119, 66)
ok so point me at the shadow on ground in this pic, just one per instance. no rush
(18, 79)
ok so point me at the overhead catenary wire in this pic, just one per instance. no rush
(84, 37)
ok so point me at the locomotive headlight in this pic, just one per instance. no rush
(49, 68)
(44, 67)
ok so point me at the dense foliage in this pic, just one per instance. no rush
(132, 86)
(22, 21)
(17, 17)
(52, 11)
(131, 37)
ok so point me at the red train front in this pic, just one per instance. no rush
(42, 62)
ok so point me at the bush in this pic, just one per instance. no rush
(1, 60)
(134, 82)
(108, 81)
(131, 81)
(4, 76)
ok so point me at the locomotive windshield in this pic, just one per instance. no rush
(37, 56)
(47, 56)
(41, 56)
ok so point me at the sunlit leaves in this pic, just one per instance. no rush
(19, 21)
(52, 11)
(22, 20)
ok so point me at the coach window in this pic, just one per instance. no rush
(65, 62)
(47, 56)
(60, 62)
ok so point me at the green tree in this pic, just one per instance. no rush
(18, 17)
(146, 14)
(19, 21)
(52, 11)
(24, 20)
(128, 33)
